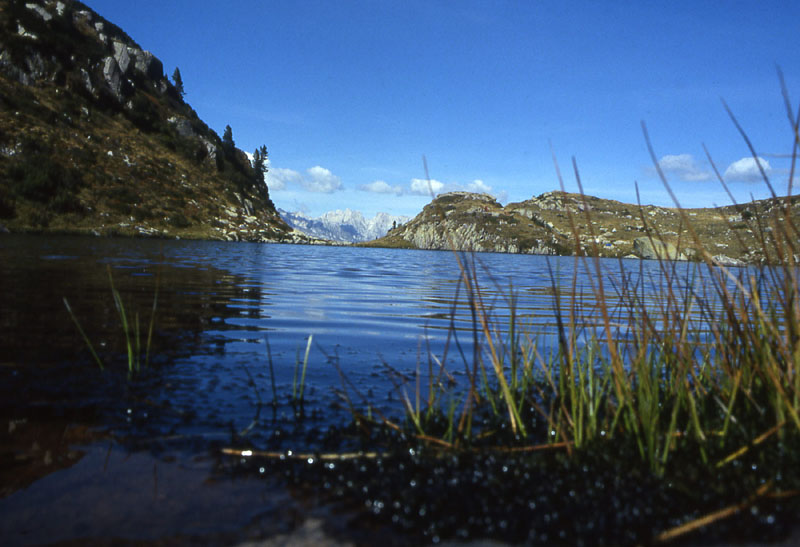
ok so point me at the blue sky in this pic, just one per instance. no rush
(349, 96)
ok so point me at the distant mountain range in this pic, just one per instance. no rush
(343, 226)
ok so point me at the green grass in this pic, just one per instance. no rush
(137, 350)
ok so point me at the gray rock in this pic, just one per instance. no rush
(87, 81)
(113, 77)
(182, 126)
(211, 149)
(727, 261)
(43, 13)
(37, 67)
(122, 57)
(656, 249)
(82, 16)
(248, 207)
(148, 64)
(24, 33)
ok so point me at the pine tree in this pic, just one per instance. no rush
(260, 157)
(228, 146)
(176, 78)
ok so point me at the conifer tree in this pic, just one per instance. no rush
(178, 81)
(260, 157)
(228, 146)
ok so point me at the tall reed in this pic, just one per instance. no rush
(135, 353)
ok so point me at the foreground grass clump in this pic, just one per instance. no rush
(666, 405)
(135, 353)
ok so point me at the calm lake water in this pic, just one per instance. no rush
(229, 317)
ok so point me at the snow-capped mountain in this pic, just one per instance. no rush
(346, 226)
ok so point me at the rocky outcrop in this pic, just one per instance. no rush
(116, 64)
(113, 78)
(564, 223)
(122, 57)
(474, 222)
(95, 138)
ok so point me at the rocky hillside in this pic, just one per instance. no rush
(562, 223)
(343, 226)
(94, 138)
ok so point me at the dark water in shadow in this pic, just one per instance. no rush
(220, 306)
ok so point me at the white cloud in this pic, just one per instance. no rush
(321, 180)
(746, 170)
(425, 187)
(382, 187)
(277, 178)
(683, 166)
(478, 185)
(317, 179)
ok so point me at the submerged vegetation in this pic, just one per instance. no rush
(649, 420)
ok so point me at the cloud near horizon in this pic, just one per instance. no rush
(425, 187)
(382, 187)
(684, 167)
(746, 170)
(316, 179)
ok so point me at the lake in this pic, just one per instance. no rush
(93, 453)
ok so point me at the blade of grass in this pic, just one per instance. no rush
(83, 334)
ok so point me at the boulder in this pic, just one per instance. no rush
(727, 261)
(147, 64)
(87, 81)
(248, 207)
(22, 31)
(182, 126)
(40, 11)
(655, 249)
(211, 149)
(122, 57)
(113, 77)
